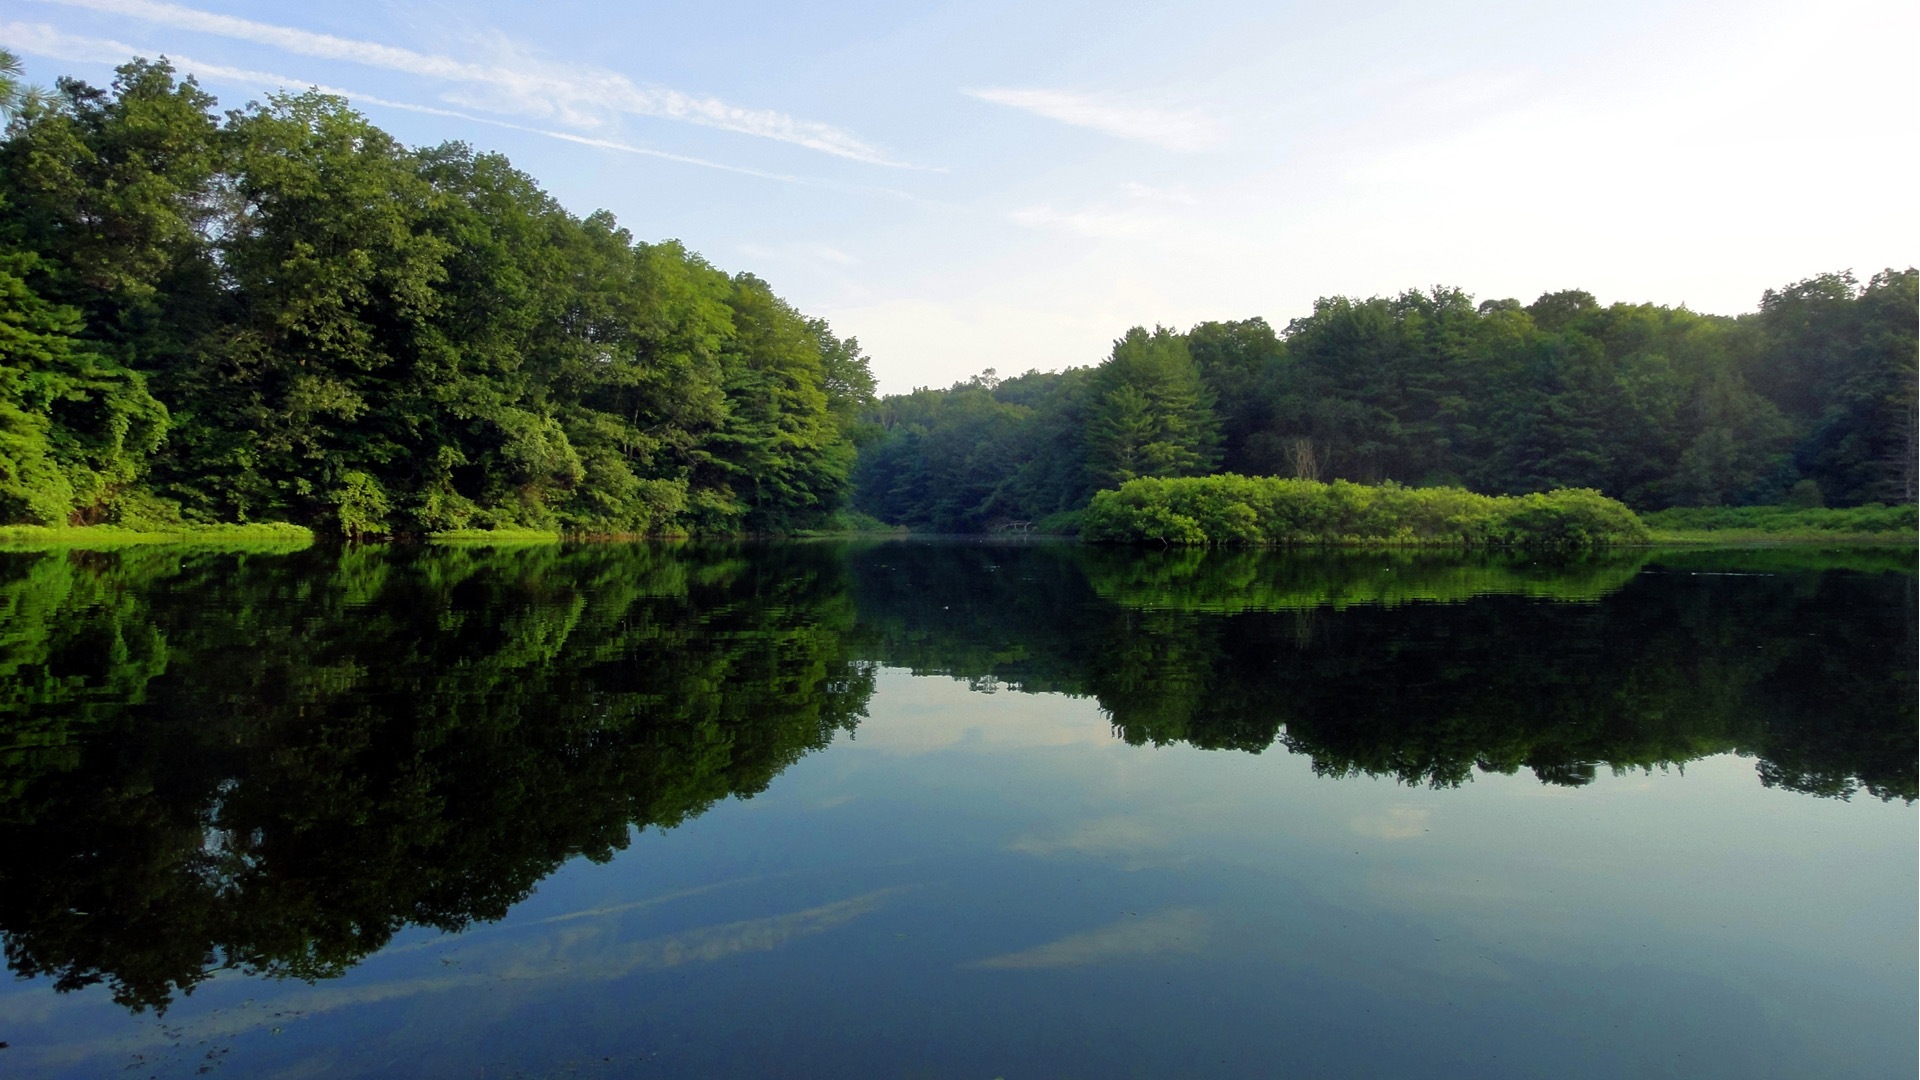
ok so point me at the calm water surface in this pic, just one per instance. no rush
(925, 809)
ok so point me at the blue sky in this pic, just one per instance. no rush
(1011, 185)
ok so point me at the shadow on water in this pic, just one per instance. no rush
(275, 762)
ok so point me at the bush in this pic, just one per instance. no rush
(1871, 518)
(360, 504)
(1253, 510)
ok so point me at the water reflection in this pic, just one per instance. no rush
(1624, 660)
(276, 761)
(274, 764)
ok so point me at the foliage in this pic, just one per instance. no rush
(276, 533)
(1808, 401)
(1227, 509)
(75, 427)
(1871, 518)
(984, 452)
(283, 314)
(1150, 415)
(1231, 582)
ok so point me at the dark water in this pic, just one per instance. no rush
(948, 810)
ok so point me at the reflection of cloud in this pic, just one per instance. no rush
(1100, 836)
(587, 949)
(1173, 930)
(914, 715)
(1399, 823)
(594, 952)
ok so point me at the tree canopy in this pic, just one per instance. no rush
(1809, 400)
(280, 313)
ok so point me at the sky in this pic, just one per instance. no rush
(1005, 185)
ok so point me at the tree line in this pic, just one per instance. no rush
(280, 313)
(1808, 401)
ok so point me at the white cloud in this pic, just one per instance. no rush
(1172, 129)
(577, 97)
(38, 39)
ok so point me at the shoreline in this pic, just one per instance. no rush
(280, 534)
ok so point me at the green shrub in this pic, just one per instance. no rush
(361, 506)
(1252, 510)
(1871, 518)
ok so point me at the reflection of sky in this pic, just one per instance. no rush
(991, 884)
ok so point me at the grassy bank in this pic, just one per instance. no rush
(99, 535)
(1231, 510)
(494, 536)
(1872, 523)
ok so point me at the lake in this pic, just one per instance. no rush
(925, 808)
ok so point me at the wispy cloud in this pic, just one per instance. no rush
(1173, 129)
(573, 954)
(39, 39)
(574, 96)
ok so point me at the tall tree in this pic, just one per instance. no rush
(1152, 414)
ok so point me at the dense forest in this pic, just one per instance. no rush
(1809, 401)
(279, 313)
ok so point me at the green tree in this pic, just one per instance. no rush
(1151, 413)
(329, 315)
(75, 427)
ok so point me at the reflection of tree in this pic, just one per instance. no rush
(1231, 581)
(1809, 666)
(275, 764)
